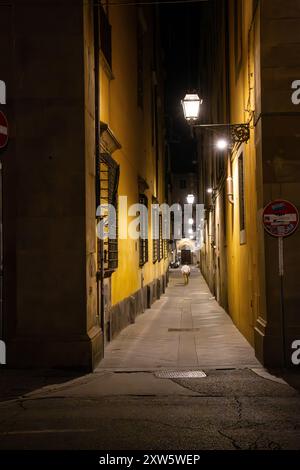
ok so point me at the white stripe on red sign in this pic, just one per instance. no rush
(3, 130)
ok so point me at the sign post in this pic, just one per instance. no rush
(281, 219)
(281, 274)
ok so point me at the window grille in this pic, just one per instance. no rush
(155, 229)
(144, 241)
(166, 248)
(160, 240)
(107, 193)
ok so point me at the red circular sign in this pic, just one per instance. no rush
(3, 130)
(280, 218)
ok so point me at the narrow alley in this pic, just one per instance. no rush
(185, 328)
(149, 231)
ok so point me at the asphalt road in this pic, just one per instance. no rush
(228, 409)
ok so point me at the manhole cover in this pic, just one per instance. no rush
(180, 374)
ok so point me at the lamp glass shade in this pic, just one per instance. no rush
(191, 106)
(190, 198)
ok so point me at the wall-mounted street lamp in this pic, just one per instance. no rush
(191, 106)
(209, 190)
(190, 198)
(191, 109)
(222, 144)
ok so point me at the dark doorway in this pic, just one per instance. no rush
(186, 257)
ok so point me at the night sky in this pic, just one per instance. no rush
(182, 32)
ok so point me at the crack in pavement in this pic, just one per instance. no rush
(261, 442)
(239, 408)
(231, 439)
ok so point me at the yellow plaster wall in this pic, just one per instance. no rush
(243, 272)
(132, 127)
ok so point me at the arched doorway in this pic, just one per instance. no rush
(185, 250)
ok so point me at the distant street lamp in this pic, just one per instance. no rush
(209, 190)
(191, 109)
(191, 106)
(191, 221)
(222, 144)
(190, 198)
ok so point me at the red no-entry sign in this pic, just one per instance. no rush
(280, 218)
(3, 130)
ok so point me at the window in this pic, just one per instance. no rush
(155, 229)
(152, 118)
(154, 250)
(140, 65)
(166, 248)
(107, 193)
(182, 184)
(160, 240)
(144, 241)
(105, 35)
(241, 197)
(238, 36)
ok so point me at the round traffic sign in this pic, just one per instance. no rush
(280, 218)
(3, 130)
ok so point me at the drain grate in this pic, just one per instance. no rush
(180, 374)
(183, 329)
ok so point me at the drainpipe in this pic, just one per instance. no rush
(229, 183)
(156, 143)
(100, 274)
(155, 104)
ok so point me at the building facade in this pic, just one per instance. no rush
(132, 107)
(255, 61)
(85, 112)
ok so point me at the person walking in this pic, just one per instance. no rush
(186, 271)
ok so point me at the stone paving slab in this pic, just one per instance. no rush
(185, 327)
